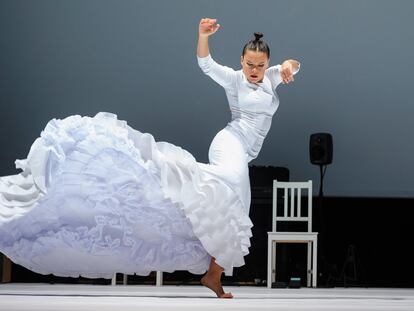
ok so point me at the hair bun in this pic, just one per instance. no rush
(258, 36)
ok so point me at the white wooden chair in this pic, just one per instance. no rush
(292, 211)
(158, 281)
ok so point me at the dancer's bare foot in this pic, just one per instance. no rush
(212, 281)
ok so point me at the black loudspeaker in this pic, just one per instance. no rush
(321, 148)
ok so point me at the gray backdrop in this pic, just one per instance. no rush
(137, 59)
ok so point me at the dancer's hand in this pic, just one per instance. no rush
(207, 27)
(288, 68)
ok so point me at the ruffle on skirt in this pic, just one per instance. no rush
(96, 197)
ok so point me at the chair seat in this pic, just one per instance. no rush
(298, 237)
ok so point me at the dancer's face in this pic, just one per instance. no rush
(254, 65)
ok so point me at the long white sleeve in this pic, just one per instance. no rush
(225, 76)
(273, 73)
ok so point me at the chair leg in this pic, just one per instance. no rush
(314, 262)
(159, 278)
(269, 262)
(309, 265)
(7, 267)
(274, 245)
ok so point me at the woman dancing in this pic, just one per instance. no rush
(96, 196)
(253, 101)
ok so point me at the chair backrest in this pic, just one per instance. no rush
(292, 203)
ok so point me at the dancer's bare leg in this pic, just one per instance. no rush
(212, 279)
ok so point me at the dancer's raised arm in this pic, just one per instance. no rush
(206, 28)
(223, 75)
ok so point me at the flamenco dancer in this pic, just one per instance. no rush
(96, 196)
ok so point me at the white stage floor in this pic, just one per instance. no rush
(16, 296)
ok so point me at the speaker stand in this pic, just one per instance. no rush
(323, 274)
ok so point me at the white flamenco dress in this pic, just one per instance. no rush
(96, 196)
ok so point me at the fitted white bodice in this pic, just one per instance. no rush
(252, 105)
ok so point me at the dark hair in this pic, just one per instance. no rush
(257, 45)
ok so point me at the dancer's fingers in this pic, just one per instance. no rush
(283, 74)
(290, 75)
(212, 21)
(208, 26)
(207, 20)
(287, 75)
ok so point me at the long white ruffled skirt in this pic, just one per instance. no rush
(96, 197)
